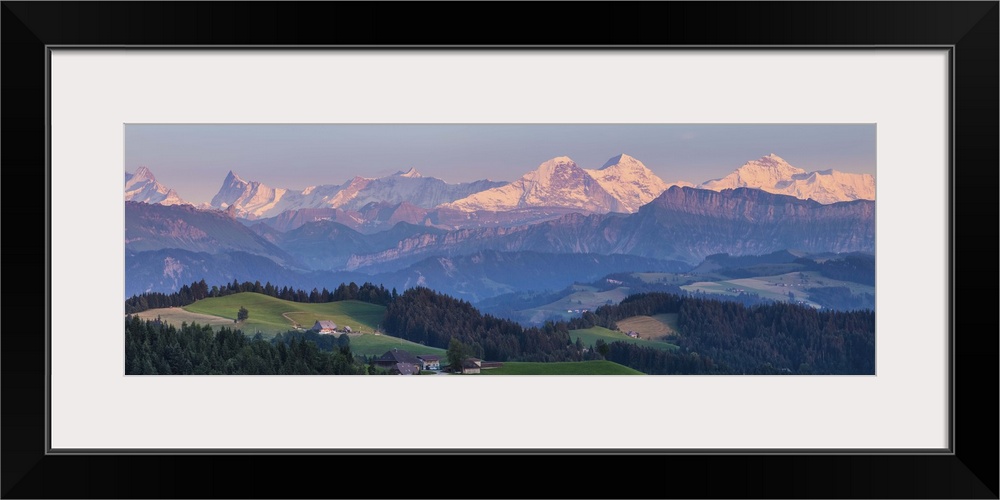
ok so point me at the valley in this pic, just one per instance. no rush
(805, 279)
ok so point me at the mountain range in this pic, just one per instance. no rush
(254, 200)
(774, 175)
(556, 223)
(622, 184)
(676, 230)
(684, 224)
(155, 227)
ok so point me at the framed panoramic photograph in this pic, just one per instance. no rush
(563, 270)
(390, 245)
(269, 245)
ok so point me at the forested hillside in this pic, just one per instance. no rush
(714, 337)
(425, 316)
(732, 338)
(156, 348)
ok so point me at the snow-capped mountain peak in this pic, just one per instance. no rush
(250, 198)
(773, 174)
(563, 165)
(765, 171)
(770, 166)
(622, 184)
(232, 177)
(622, 159)
(411, 173)
(558, 182)
(629, 181)
(143, 174)
(559, 160)
(255, 200)
(141, 186)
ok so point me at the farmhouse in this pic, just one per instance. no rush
(325, 327)
(399, 362)
(430, 361)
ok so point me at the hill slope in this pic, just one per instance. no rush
(184, 227)
(272, 315)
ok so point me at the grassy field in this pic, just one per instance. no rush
(270, 315)
(665, 278)
(815, 279)
(563, 368)
(776, 287)
(584, 297)
(761, 286)
(651, 327)
(376, 345)
(590, 335)
(175, 316)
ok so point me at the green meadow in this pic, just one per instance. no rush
(270, 315)
(376, 345)
(589, 337)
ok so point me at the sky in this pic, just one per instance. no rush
(194, 159)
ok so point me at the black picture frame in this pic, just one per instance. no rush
(969, 28)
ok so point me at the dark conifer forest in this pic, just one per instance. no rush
(188, 294)
(156, 348)
(715, 337)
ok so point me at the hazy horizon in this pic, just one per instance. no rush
(194, 159)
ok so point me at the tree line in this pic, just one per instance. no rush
(153, 347)
(432, 318)
(716, 337)
(729, 337)
(856, 268)
(188, 294)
